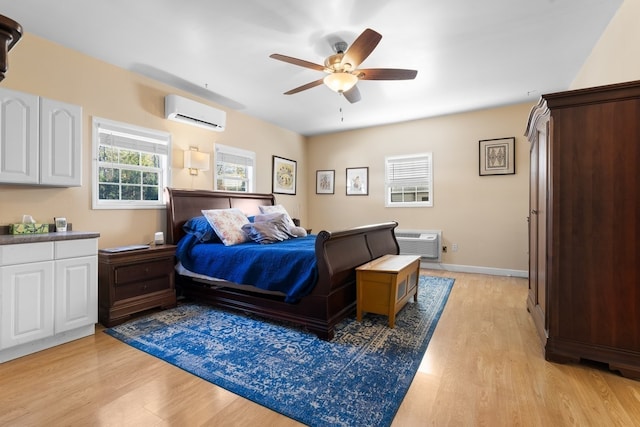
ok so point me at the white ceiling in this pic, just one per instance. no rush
(470, 54)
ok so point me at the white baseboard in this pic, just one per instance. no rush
(47, 342)
(475, 269)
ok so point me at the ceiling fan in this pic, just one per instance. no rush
(342, 67)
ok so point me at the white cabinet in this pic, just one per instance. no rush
(76, 284)
(19, 142)
(40, 140)
(60, 143)
(27, 303)
(48, 294)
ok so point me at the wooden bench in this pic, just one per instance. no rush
(384, 285)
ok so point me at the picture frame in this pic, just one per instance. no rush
(358, 181)
(497, 156)
(284, 176)
(325, 181)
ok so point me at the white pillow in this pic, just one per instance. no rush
(227, 223)
(267, 209)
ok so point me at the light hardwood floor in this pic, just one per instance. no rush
(483, 367)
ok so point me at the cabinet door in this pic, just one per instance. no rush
(60, 143)
(538, 193)
(26, 303)
(19, 151)
(76, 293)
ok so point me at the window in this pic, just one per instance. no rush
(130, 167)
(235, 169)
(409, 180)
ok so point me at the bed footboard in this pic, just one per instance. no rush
(339, 253)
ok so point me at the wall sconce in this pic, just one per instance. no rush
(195, 160)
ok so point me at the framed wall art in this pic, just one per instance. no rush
(497, 156)
(284, 175)
(358, 181)
(325, 181)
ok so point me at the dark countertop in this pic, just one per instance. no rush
(14, 239)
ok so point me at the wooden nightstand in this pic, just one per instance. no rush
(134, 281)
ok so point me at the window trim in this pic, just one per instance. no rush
(161, 145)
(429, 181)
(234, 151)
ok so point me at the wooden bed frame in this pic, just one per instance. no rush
(337, 254)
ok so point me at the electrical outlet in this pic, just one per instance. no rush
(454, 247)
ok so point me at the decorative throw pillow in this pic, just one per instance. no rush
(227, 223)
(200, 227)
(266, 232)
(298, 231)
(275, 216)
(267, 209)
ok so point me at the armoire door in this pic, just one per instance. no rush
(537, 303)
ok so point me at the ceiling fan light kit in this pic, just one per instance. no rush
(340, 82)
(342, 67)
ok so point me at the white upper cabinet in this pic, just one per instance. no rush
(60, 143)
(19, 142)
(40, 140)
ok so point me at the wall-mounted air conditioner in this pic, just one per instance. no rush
(194, 113)
(425, 243)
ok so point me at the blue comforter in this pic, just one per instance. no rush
(288, 267)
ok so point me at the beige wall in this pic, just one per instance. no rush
(485, 216)
(43, 68)
(614, 59)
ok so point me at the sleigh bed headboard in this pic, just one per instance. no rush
(183, 205)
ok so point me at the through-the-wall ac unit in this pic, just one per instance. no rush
(194, 113)
(425, 243)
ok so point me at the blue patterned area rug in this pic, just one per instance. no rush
(357, 379)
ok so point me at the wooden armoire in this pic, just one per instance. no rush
(584, 225)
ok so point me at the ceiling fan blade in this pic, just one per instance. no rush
(352, 95)
(305, 87)
(386, 74)
(296, 61)
(361, 48)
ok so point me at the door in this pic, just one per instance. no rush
(26, 298)
(76, 293)
(60, 143)
(19, 152)
(538, 191)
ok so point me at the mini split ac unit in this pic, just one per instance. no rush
(194, 113)
(425, 243)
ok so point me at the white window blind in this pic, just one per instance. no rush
(235, 169)
(409, 180)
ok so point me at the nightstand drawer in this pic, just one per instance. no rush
(143, 271)
(138, 288)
